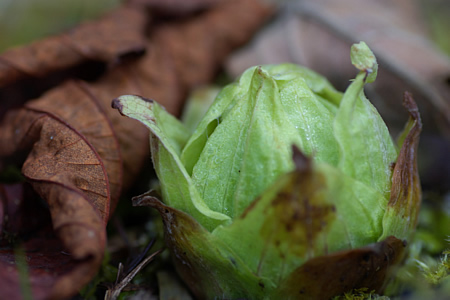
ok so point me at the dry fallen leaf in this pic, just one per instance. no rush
(83, 152)
(176, 7)
(70, 175)
(47, 257)
(117, 33)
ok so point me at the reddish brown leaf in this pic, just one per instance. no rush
(71, 177)
(176, 7)
(116, 34)
(18, 215)
(48, 122)
(327, 276)
(80, 147)
(406, 192)
(48, 260)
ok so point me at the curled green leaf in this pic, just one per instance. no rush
(364, 60)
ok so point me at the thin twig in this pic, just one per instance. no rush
(114, 292)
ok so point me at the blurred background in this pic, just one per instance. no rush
(410, 38)
(27, 20)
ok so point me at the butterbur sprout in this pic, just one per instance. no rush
(286, 188)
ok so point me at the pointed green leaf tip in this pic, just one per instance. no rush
(364, 60)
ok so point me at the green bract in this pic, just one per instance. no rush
(281, 178)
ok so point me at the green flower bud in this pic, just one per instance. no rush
(285, 185)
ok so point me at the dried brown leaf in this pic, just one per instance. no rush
(116, 34)
(176, 7)
(341, 272)
(49, 262)
(65, 171)
(406, 192)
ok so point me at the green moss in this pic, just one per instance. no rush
(360, 294)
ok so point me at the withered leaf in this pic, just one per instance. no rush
(17, 213)
(116, 34)
(176, 7)
(65, 171)
(80, 147)
(48, 261)
(330, 275)
(406, 192)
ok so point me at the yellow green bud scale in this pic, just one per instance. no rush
(283, 176)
